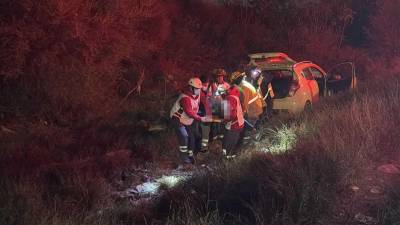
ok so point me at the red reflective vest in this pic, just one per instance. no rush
(233, 114)
(186, 108)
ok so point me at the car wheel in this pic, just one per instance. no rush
(308, 107)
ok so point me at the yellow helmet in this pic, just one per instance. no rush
(235, 75)
(195, 82)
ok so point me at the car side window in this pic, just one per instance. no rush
(306, 73)
(316, 73)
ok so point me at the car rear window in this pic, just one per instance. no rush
(279, 74)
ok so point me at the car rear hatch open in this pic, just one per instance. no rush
(271, 59)
(277, 68)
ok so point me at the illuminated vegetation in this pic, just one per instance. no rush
(81, 81)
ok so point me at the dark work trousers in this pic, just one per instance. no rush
(217, 131)
(196, 132)
(245, 134)
(185, 136)
(205, 134)
(249, 127)
(231, 138)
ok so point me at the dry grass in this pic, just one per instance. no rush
(67, 69)
(328, 150)
(335, 145)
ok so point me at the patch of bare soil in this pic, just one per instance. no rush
(364, 201)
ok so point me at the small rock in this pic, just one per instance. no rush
(376, 190)
(389, 168)
(6, 130)
(365, 219)
(354, 188)
(148, 188)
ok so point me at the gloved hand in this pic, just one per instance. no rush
(206, 119)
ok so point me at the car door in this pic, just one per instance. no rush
(311, 84)
(319, 76)
(342, 77)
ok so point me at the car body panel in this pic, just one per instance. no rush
(312, 79)
(310, 85)
(347, 81)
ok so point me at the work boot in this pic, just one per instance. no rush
(204, 149)
(190, 158)
(184, 157)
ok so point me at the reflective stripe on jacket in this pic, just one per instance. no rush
(186, 108)
(252, 102)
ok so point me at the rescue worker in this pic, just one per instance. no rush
(218, 86)
(252, 103)
(185, 119)
(205, 111)
(234, 122)
(262, 83)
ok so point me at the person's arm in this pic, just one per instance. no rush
(187, 107)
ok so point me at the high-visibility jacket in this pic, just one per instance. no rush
(252, 102)
(186, 108)
(233, 114)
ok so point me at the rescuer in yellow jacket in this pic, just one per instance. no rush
(252, 103)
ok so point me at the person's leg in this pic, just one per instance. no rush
(249, 128)
(214, 131)
(205, 136)
(197, 137)
(229, 142)
(183, 137)
(220, 131)
(191, 142)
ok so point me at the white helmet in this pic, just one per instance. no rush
(195, 82)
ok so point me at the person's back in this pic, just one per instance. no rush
(253, 103)
(234, 122)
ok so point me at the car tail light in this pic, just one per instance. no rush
(294, 86)
(275, 60)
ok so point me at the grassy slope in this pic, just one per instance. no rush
(339, 145)
(336, 146)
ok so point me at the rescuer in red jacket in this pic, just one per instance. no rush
(234, 121)
(217, 87)
(185, 119)
(206, 111)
